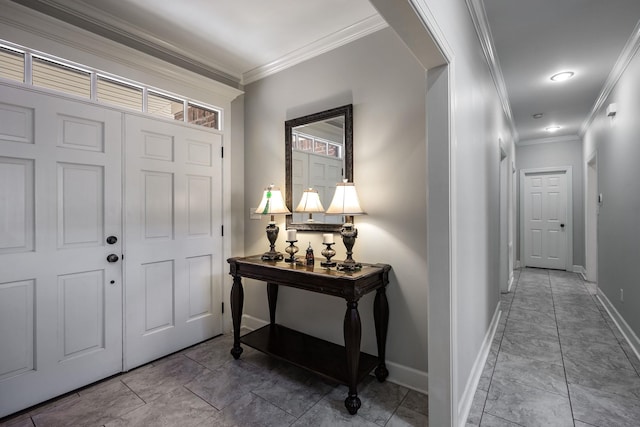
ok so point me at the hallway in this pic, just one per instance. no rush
(557, 359)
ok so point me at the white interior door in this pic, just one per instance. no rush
(545, 220)
(173, 244)
(321, 173)
(60, 197)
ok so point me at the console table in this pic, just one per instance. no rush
(346, 365)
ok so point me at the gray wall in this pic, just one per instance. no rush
(478, 125)
(616, 142)
(387, 88)
(544, 155)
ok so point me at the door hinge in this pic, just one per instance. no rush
(222, 152)
(222, 230)
(222, 308)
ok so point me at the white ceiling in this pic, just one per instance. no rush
(240, 41)
(536, 39)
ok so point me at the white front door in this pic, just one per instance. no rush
(545, 220)
(174, 263)
(60, 198)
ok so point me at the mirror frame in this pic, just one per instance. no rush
(347, 112)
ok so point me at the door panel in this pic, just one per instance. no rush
(173, 263)
(545, 210)
(60, 182)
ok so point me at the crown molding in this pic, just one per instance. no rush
(538, 141)
(61, 33)
(118, 30)
(483, 30)
(339, 38)
(628, 52)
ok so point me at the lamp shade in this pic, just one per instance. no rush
(345, 200)
(272, 202)
(310, 202)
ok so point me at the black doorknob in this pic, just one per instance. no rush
(112, 258)
(112, 240)
(562, 225)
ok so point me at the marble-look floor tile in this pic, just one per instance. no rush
(293, 390)
(228, 383)
(379, 400)
(477, 408)
(330, 412)
(533, 373)
(416, 401)
(152, 381)
(576, 325)
(215, 352)
(578, 423)
(595, 353)
(577, 314)
(599, 334)
(253, 411)
(405, 417)
(542, 349)
(631, 355)
(603, 409)
(622, 382)
(489, 420)
(541, 318)
(18, 421)
(527, 406)
(516, 327)
(179, 407)
(96, 406)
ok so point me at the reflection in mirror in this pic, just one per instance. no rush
(319, 154)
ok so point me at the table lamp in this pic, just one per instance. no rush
(345, 202)
(272, 203)
(310, 203)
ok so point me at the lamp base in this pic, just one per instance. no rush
(349, 266)
(272, 256)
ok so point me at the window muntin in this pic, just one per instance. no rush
(313, 144)
(64, 76)
(165, 106)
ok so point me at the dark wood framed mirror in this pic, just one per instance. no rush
(318, 155)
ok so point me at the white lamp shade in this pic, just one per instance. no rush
(345, 200)
(272, 202)
(310, 202)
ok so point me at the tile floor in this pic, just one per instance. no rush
(204, 386)
(557, 359)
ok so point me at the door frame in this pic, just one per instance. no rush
(568, 171)
(591, 218)
(503, 208)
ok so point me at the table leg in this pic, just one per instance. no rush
(381, 319)
(237, 302)
(352, 336)
(272, 295)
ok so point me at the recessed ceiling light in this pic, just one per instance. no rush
(560, 77)
(552, 128)
(537, 116)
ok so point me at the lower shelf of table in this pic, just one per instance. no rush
(319, 356)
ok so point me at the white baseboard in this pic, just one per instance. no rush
(511, 279)
(398, 374)
(580, 270)
(622, 325)
(464, 406)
